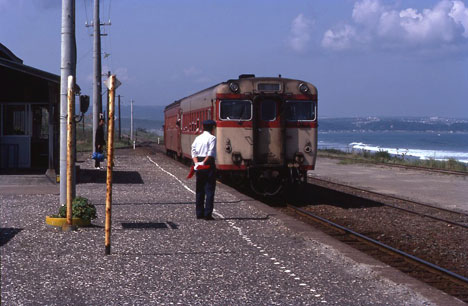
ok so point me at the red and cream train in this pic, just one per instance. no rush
(266, 129)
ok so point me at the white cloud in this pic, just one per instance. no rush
(340, 38)
(459, 13)
(300, 33)
(375, 25)
(367, 12)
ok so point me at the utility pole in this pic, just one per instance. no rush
(97, 83)
(97, 86)
(67, 68)
(120, 134)
(107, 101)
(131, 121)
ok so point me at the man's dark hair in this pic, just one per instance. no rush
(208, 128)
(208, 125)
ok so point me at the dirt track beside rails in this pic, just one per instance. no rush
(434, 241)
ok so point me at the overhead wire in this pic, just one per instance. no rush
(110, 36)
(88, 34)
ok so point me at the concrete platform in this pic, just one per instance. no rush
(438, 189)
(162, 255)
(27, 184)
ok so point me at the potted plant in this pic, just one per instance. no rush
(83, 211)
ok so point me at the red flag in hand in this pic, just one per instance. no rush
(196, 168)
(191, 172)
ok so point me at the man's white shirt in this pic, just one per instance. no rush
(204, 145)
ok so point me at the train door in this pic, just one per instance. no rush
(179, 132)
(268, 131)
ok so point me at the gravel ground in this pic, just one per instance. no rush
(435, 241)
(243, 257)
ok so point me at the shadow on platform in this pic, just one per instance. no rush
(118, 177)
(6, 234)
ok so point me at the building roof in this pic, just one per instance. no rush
(7, 54)
(11, 61)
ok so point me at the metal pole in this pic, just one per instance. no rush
(70, 155)
(107, 100)
(110, 158)
(131, 120)
(67, 68)
(120, 134)
(97, 86)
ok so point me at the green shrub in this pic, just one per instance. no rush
(81, 208)
(333, 151)
(382, 155)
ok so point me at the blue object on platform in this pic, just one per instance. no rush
(98, 156)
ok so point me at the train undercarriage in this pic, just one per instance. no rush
(268, 181)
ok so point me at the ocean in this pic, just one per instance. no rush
(422, 145)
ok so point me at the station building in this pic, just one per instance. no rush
(29, 117)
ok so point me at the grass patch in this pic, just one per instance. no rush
(84, 139)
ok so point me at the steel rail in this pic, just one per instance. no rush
(454, 276)
(311, 178)
(427, 216)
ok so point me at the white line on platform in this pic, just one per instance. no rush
(232, 224)
(185, 186)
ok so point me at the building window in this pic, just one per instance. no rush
(14, 120)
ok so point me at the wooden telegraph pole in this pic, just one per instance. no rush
(70, 150)
(113, 83)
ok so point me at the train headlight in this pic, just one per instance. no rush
(234, 87)
(303, 88)
(236, 158)
(228, 147)
(299, 158)
(308, 148)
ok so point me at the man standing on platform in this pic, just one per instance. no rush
(204, 154)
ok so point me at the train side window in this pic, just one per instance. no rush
(235, 110)
(268, 110)
(300, 111)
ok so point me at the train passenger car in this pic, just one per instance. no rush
(266, 129)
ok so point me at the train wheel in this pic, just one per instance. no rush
(266, 182)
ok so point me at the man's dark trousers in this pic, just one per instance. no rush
(206, 184)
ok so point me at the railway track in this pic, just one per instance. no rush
(438, 277)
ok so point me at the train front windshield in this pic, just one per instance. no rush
(235, 110)
(300, 110)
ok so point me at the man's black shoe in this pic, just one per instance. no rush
(209, 218)
(200, 217)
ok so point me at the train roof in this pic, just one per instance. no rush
(241, 77)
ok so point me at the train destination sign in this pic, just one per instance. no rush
(268, 87)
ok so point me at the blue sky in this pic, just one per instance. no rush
(367, 57)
